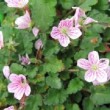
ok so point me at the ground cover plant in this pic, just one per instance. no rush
(54, 55)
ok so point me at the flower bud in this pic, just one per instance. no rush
(6, 71)
(38, 44)
(24, 60)
(35, 31)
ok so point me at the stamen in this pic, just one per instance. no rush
(94, 67)
(64, 30)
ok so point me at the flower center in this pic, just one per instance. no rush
(20, 3)
(94, 67)
(64, 30)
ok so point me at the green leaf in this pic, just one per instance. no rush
(74, 86)
(53, 65)
(108, 55)
(25, 42)
(51, 48)
(59, 107)
(80, 73)
(88, 4)
(106, 35)
(101, 96)
(72, 106)
(101, 48)
(68, 63)
(95, 29)
(97, 15)
(65, 75)
(67, 4)
(33, 102)
(43, 12)
(31, 71)
(4, 57)
(10, 100)
(3, 7)
(7, 32)
(18, 69)
(1, 17)
(102, 5)
(88, 104)
(81, 54)
(78, 97)
(78, 2)
(55, 97)
(75, 107)
(102, 108)
(54, 82)
(93, 41)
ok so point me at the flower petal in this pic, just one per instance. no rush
(27, 90)
(1, 40)
(93, 57)
(22, 77)
(103, 63)
(89, 20)
(66, 23)
(64, 41)
(14, 78)
(79, 13)
(83, 63)
(101, 76)
(55, 33)
(6, 71)
(19, 93)
(12, 87)
(24, 3)
(24, 21)
(9, 108)
(107, 70)
(97, 83)
(74, 33)
(90, 76)
(16, 3)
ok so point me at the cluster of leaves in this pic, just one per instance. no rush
(56, 82)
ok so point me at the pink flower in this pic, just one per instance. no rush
(10, 108)
(19, 86)
(1, 40)
(80, 17)
(95, 67)
(24, 60)
(65, 31)
(38, 44)
(24, 21)
(35, 31)
(6, 71)
(17, 3)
